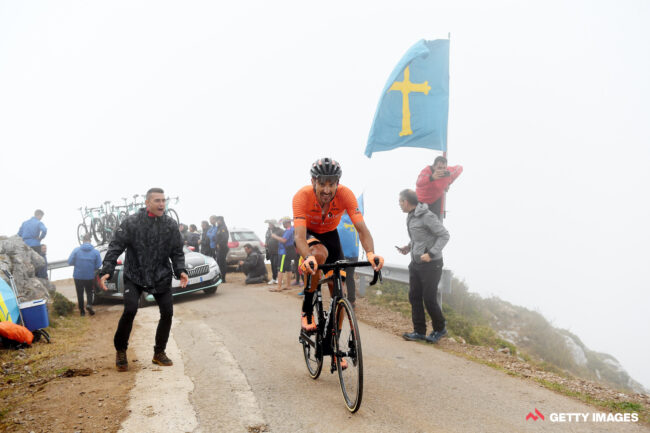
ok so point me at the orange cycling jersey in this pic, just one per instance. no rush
(308, 213)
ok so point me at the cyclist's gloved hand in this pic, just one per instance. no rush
(371, 258)
(310, 265)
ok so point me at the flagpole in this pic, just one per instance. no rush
(443, 211)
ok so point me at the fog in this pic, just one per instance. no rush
(227, 105)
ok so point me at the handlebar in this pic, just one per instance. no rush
(341, 264)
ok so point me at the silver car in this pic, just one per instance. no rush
(238, 238)
(203, 273)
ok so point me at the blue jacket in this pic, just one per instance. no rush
(212, 235)
(32, 231)
(86, 260)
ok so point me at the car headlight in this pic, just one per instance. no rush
(212, 263)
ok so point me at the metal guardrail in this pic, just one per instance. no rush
(400, 273)
(57, 264)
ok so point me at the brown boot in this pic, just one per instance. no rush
(121, 362)
(161, 358)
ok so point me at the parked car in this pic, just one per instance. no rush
(238, 238)
(203, 272)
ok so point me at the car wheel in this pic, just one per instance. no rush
(211, 290)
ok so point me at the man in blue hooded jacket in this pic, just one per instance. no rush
(86, 260)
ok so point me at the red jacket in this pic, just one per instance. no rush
(429, 191)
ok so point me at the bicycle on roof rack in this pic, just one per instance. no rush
(342, 342)
(91, 222)
(171, 212)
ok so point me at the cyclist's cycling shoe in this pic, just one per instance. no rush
(308, 323)
(435, 336)
(344, 363)
(414, 336)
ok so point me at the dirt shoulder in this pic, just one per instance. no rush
(68, 385)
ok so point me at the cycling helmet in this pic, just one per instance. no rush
(326, 168)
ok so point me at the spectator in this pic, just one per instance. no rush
(222, 246)
(205, 240)
(434, 181)
(272, 248)
(182, 228)
(212, 235)
(428, 238)
(41, 272)
(153, 250)
(33, 231)
(193, 238)
(86, 260)
(254, 266)
(286, 252)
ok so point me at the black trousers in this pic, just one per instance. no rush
(436, 207)
(87, 286)
(221, 261)
(275, 260)
(132, 294)
(423, 292)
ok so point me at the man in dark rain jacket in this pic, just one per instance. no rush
(153, 249)
(222, 238)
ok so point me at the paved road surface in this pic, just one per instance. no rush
(239, 368)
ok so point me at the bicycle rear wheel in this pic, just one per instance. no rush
(347, 346)
(82, 230)
(312, 345)
(97, 230)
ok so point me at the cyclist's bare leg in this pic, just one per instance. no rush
(320, 254)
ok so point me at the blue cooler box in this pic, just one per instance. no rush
(35, 314)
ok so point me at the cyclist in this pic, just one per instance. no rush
(317, 211)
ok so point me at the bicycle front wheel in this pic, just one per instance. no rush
(312, 345)
(347, 348)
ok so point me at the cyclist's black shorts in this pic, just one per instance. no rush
(331, 241)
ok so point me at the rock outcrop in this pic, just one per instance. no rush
(22, 261)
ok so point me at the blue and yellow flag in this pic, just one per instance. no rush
(348, 233)
(414, 106)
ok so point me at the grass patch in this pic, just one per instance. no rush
(471, 327)
(608, 405)
(42, 360)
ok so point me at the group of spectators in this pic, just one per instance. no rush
(428, 236)
(211, 241)
(281, 252)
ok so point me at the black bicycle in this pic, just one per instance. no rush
(341, 342)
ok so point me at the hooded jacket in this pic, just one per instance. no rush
(86, 260)
(427, 233)
(153, 249)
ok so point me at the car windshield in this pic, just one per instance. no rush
(244, 236)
